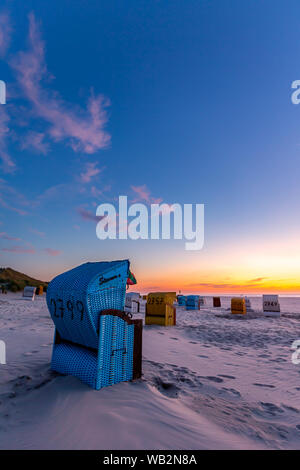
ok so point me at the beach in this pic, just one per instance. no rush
(214, 381)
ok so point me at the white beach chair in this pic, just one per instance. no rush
(271, 306)
(29, 292)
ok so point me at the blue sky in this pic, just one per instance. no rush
(195, 108)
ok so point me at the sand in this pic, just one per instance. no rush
(212, 382)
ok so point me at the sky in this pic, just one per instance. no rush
(162, 101)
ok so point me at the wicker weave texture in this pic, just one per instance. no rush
(98, 349)
(192, 302)
(76, 298)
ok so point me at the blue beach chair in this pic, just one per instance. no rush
(95, 340)
(181, 300)
(192, 302)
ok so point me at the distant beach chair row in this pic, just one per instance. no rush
(191, 302)
(242, 305)
(239, 305)
(30, 292)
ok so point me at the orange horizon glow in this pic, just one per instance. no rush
(269, 267)
(269, 287)
(262, 267)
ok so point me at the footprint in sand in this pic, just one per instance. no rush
(291, 408)
(214, 379)
(226, 376)
(232, 390)
(264, 385)
(271, 408)
(166, 388)
(30, 353)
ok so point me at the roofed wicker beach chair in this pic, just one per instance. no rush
(238, 306)
(181, 300)
(271, 306)
(192, 302)
(95, 340)
(29, 292)
(217, 301)
(160, 309)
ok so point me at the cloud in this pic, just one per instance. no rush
(70, 191)
(36, 141)
(52, 252)
(82, 130)
(96, 192)
(57, 192)
(226, 285)
(90, 172)
(5, 32)
(5, 236)
(8, 164)
(36, 232)
(9, 197)
(144, 195)
(87, 215)
(19, 249)
(5, 35)
(258, 279)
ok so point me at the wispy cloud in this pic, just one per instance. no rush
(12, 199)
(101, 193)
(90, 172)
(19, 249)
(36, 141)
(37, 232)
(57, 191)
(5, 36)
(95, 192)
(83, 130)
(227, 285)
(143, 195)
(52, 252)
(257, 279)
(8, 164)
(5, 236)
(87, 215)
(30, 249)
(5, 32)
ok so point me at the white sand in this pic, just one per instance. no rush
(213, 381)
